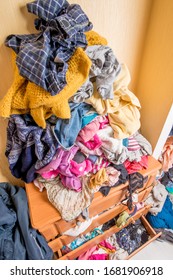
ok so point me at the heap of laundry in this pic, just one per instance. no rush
(73, 124)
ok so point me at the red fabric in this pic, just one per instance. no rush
(134, 166)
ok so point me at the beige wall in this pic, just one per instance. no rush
(122, 22)
(155, 86)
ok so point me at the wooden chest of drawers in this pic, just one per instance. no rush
(45, 218)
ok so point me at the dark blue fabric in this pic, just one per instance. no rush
(18, 240)
(67, 130)
(28, 147)
(42, 58)
(163, 219)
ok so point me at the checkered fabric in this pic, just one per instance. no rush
(42, 58)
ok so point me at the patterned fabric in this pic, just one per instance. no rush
(29, 147)
(42, 58)
(133, 144)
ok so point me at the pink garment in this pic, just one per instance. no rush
(107, 245)
(71, 183)
(93, 143)
(86, 151)
(91, 129)
(60, 165)
(50, 170)
(88, 253)
(99, 257)
(135, 166)
(104, 122)
(80, 169)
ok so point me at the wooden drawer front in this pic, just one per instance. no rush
(56, 244)
(116, 195)
(49, 232)
(149, 182)
(143, 194)
(101, 203)
(83, 248)
(101, 219)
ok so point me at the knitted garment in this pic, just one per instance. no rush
(26, 97)
(69, 203)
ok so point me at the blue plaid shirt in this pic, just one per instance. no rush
(42, 57)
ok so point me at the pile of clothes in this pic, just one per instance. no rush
(73, 124)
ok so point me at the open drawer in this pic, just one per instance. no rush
(114, 229)
(57, 243)
(47, 220)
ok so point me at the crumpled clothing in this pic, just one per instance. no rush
(88, 253)
(81, 169)
(88, 132)
(69, 203)
(60, 165)
(28, 147)
(122, 219)
(92, 144)
(42, 57)
(101, 162)
(169, 187)
(85, 92)
(18, 240)
(166, 235)
(132, 144)
(89, 118)
(120, 254)
(130, 238)
(79, 228)
(63, 128)
(26, 97)
(167, 177)
(166, 157)
(87, 151)
(105, 68)
(79, 157)
(109, 143)
(84, 238)
(105, 245)
(163, 219)
(123, 109)
(135, 166)
(123, 177)
(98, 257)
(113, 176)
(145, 146)
(98, 179)
(157, 198)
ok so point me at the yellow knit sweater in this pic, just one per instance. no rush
(26, 97)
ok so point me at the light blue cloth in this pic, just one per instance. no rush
(67, 130)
